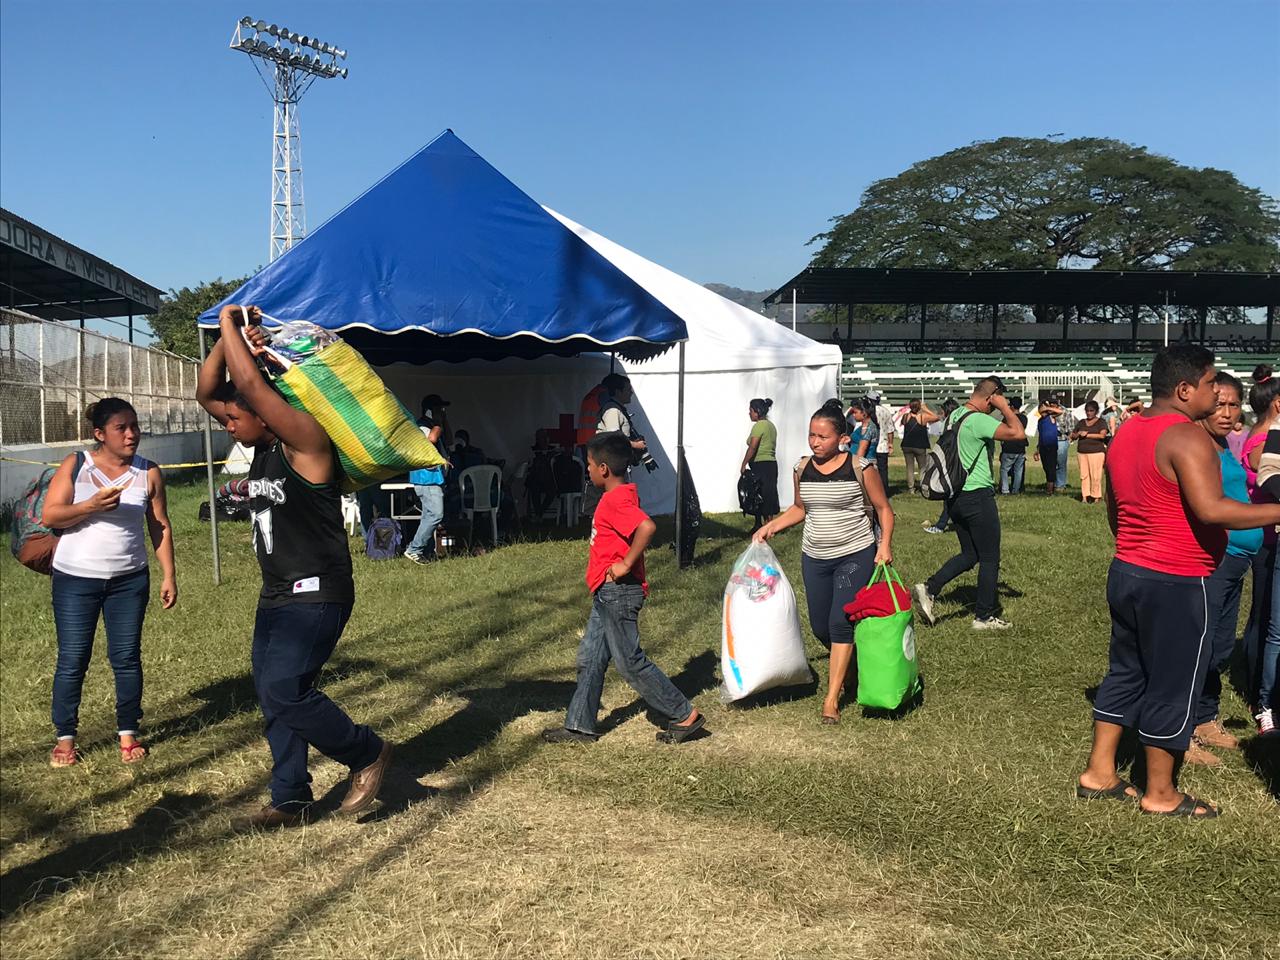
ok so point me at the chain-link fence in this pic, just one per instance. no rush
(50, 372)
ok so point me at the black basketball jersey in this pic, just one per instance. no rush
(297, 534)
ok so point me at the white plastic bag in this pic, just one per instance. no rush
(760, 642)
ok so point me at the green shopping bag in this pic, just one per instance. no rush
(887, 668)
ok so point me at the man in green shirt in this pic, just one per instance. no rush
(973, 511)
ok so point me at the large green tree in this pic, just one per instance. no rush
(1035, 203)
(175, 323)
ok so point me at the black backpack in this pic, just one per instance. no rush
(750, 494)
(944, 475)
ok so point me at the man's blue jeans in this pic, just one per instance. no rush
(291, 644)
(1064, 451)
(1011, 467)
(613, 633)
(432, 499)
(77, 602)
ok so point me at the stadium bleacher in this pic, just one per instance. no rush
(903, 376)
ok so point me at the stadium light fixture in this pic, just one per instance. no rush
(294, 68)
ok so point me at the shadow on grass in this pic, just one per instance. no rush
(967, 596)
(777, 695)
(1263, 756)
(488, 711)
(150, 832)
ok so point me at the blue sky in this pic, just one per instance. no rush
(712, 137)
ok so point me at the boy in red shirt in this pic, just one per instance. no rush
(620, 531)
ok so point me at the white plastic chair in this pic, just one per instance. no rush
(350, 513)
(486, 486)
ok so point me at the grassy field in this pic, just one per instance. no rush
(950, 833)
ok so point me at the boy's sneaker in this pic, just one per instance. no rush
(1266, 723)
(924, 603)
(990, 623)
(565, 735)
(415, 557)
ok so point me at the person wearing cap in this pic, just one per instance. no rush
(428, 483)
(614, 417)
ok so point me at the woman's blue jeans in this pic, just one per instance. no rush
(77, 602)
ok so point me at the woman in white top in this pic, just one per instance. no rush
(839, 549)
(98, 501)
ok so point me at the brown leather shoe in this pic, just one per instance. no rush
(1213, 734)
(1198, 756)
(365, 783)
(273, 818)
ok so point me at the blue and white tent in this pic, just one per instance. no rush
(447, 259)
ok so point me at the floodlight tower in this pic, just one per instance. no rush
(295, 68)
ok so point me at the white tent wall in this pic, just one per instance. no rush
(732, 356)
(502, 404)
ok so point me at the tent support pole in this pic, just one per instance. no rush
(793, 309)
(613, 361)
(208, 467)
(680, 459)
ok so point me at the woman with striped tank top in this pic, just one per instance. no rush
(100, 501)
(833, 497)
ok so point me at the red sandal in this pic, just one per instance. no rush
(133, 753)
(64, 757)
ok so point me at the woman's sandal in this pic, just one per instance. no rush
(133, 753)
(60, 757)
(830, 721)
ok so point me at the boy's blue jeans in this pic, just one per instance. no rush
(431, 496)
(77, 602)
(1064, 450)
(613, 633)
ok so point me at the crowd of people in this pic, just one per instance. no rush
(1192, 497)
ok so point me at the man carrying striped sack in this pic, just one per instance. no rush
(307, 589)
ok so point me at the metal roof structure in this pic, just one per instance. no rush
(50, 278)
(1185, 288)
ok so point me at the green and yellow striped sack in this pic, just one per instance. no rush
(374, 434)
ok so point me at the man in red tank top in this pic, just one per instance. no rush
(1169, 516)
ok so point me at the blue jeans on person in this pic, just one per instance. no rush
(77, 602)
(291, 643)
(1012, 466)
(613, 633)
(977, 523)
(1271, 648)
(1224, 589)
(431, 496)
(1064, 450)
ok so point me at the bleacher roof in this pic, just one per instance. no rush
(48, 277)
(1188, 288)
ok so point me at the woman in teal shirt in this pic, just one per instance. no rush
(761, 459)
(1224, 587)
